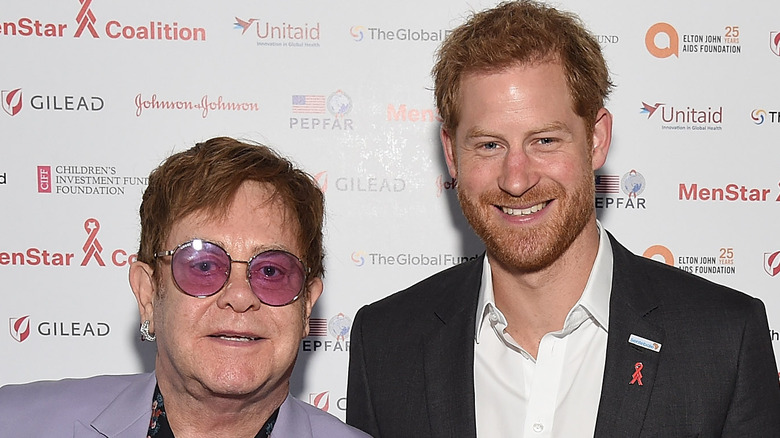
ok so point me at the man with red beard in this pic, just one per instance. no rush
(558, 330)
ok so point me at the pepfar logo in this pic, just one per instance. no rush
(315, 106)
(337, 327)
(19, 328)
(608, 188)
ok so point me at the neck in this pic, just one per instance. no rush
(536, 303)
(200, 412)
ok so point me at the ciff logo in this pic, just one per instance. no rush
(659, 253)
(772, 263)
(12, 101)
(671, 43)
(357, 32)
(320, 400)
(358, 258)
(758, 116)
(19, 328)
(774, 42)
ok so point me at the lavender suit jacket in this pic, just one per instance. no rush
(121, 407)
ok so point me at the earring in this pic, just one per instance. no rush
(145, 335)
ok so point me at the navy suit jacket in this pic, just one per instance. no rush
(411, 369)
(121, 407)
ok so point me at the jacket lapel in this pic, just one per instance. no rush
(449, 356)
(127, 416)
(623, 404)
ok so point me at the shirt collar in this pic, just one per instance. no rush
(594, 300)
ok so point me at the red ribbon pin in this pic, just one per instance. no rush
(637, 377)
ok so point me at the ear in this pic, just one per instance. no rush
(602, 137)
(144, 289)
(448, 144)
(315, 290)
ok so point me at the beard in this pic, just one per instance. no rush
(530, 249)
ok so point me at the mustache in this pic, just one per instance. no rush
(532, 196)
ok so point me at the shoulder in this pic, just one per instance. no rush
(62, 402)
(295, 413)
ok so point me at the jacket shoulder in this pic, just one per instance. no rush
(322, 424)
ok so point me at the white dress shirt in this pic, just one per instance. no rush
(556, 395)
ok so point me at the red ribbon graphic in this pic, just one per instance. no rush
(637, 374)
(92, 246)
(86, 19)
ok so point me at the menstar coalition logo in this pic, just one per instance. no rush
(92, 250)
(662, 40)
(20, 328)
(280, 33)
(401, 34)
(87, 25)
(731, 192)
(759, 116)
(87, 180)
(204, 104)
(402, 113)
(12, 102)
(608, 188)
(774, 42)
(684, 118)
(316, 106)
(772, 263)
(722, 262)
(337, 328)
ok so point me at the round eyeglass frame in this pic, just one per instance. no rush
(189, 243)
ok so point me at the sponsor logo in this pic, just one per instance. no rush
(772, 263)
(352, 184)
(88, 25)
(12, 102)
(337, 328)
(404, 114)
(408, 259)
(688, 118)
(86, 180)
(759, 116)
(91, 247)
(774, 42)
(607, 39)
(358, 258)
(402, 34)
(20, 328)
(338, 104)
(205, 105)
(730, 192)
(3, 179)
(445, 183)
(280, 34)
(358, 33)
(662, 40)
(321, 400)
(609, 187)
(722, 262)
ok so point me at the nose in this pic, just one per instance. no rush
(237, 294)
(517, 173)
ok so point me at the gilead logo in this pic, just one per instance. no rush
(19, 328)
(12, 101)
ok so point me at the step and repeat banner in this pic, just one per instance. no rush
(96, 93)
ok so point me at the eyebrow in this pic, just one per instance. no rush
(477, 132)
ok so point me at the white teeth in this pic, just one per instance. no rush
(237, 338)
(523, 211)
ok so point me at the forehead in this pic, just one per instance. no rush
(255, 219)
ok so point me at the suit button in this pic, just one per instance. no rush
(538, 427)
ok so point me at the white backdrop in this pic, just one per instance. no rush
(96, 93)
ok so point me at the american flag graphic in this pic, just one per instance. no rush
(318, 327)
(308, 104)
(607, 184)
